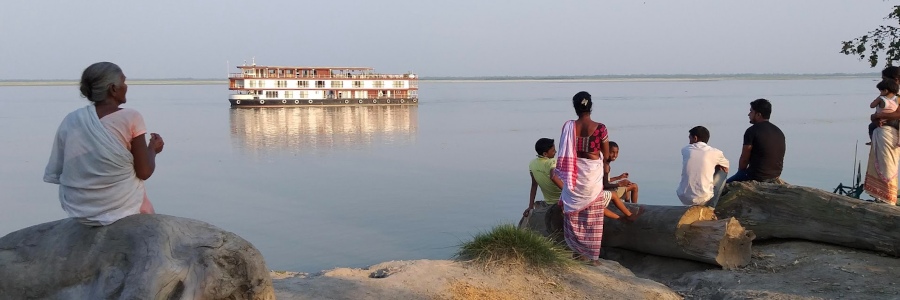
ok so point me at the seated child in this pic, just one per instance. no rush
(542, 174)
(620, 185)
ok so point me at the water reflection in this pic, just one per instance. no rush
(311, 129)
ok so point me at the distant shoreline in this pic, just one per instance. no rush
(486, 79)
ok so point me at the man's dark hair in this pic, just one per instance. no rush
(888, 85)
(763, 107)
(543, 145)
(891, 72)
(701, 133)
(613, 145)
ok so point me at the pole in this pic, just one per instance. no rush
(855, 156)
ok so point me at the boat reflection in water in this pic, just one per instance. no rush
(297, 130)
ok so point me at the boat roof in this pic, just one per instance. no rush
(304, 67)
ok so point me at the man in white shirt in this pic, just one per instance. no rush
(704, 170)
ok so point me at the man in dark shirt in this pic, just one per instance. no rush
(762, 157)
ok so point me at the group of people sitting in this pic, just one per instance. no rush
(100, 159)
(577, 186)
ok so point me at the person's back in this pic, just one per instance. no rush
(100, 157)
(767, 152)
(762, 156)
(703, 170)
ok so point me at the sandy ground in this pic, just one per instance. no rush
(779, 270)
(449, 280)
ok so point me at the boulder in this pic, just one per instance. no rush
(138, 257)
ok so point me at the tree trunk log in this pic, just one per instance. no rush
(687, 232)
(789, 211)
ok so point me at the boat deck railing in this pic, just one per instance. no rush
(335, 76)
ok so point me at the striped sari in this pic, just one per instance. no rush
(583, 198)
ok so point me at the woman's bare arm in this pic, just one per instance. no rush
(144, 158)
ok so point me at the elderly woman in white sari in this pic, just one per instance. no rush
(100, 156)
(582, 146)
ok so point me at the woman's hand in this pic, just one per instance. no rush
(156, 143)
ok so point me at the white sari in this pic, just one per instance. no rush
(582, 178)
(881, 170)
(95, 172)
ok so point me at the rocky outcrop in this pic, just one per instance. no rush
(138, 257)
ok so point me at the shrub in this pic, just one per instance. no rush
(508, 245)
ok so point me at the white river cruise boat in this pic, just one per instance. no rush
(280, 86)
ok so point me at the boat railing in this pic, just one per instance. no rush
(335, 76)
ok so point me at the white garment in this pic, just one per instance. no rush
(582, 178)
(95, 172)
(698, 168)
(890, 105)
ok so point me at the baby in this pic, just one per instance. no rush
(886, 102)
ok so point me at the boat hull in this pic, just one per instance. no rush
(238, 103)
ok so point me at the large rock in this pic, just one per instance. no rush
(138, 257)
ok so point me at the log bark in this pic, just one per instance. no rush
(789, 211)
(686, 232)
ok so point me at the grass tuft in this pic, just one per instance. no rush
(508, 245)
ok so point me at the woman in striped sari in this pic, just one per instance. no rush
(582, 146)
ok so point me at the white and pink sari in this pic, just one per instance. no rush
(583, 198)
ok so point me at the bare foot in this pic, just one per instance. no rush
(634, 215)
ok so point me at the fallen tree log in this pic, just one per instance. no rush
(687, 232)
(789, 211)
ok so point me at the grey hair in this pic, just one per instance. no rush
(97, 78)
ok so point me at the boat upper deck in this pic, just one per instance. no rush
(279, 72)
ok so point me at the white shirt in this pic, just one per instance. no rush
(698, 168)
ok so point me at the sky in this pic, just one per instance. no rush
(57, 39)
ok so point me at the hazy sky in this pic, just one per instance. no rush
(167, 38)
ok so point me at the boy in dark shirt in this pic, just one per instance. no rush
(762, 157)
